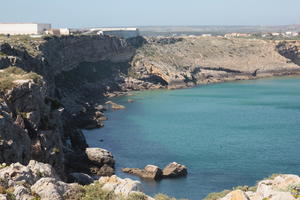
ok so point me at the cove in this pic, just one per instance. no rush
(227, 134)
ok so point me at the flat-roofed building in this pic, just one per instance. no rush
(23, 28)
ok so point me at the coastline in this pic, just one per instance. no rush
(62, 82)
(162, 91)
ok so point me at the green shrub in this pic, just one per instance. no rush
(137, 196)
(163, 197)
(217, 195)
(94, 192)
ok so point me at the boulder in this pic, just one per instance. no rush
(149, 172)
(119, 186)
(40, 170)
(102, 162)
(22, 193)
(29, 174)
(50, 188)
(100, 156)
(17, 172)
(174, 170)
(236, 195)
(105, 170)
(81, 178)
(277, 188)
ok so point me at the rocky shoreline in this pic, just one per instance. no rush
(53, 87)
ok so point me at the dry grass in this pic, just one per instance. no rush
(10, 75)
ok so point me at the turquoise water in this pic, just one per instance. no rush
(227, 134)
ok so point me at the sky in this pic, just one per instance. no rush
(113, 13)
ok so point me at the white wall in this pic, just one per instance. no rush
(23, 29)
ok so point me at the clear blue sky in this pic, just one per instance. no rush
(89, 13)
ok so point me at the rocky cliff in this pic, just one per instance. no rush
(48, 86)
(181, 62)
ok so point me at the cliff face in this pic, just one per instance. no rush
(195, 60)
(290, 50)
(41, 119)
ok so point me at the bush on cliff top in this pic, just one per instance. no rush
(9, 75)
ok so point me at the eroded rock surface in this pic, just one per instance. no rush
(174, 170)
(278, 187)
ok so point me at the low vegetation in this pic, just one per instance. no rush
(219, 195)
(26, 42)
(10, 75)
(95, 192)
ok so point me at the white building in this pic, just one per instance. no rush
(58, 31)
(119, 32)
(23, 28)
(290, 33)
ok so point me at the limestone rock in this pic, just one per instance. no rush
(102, 162)
(22, 193)
(17, 172)
(174, 170)
(50, 188)
(105, 170)
(100, 156)
(149, 172)
(42, 170)
(120, 186)
(277, 188)
(236, 195)
(29, 174)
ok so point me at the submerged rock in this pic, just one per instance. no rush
(115, 106)
(174, 170)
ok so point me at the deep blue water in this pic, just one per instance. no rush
(227, 134)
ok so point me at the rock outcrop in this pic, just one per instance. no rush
(123, 187)
(188, 61)
(40, 181)
(101, 161)
(174, 170)
(149, 172)
(277, 187)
